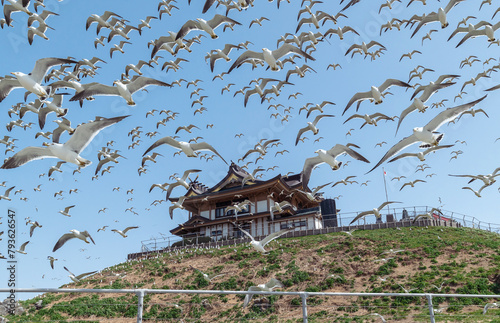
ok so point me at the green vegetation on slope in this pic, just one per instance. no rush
(433, 260)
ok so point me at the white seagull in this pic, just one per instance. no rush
(427, 134)
(268, 287)
(121, 89)
(21, 249)
(32, 81)
(376, 93)
(124, 232)
(76, 279)
(279, 207)
(204, 25)
(69, 151)
(270, 57)
(375, 211)
(5, 196)
(329, 157)
(259, 245)
(311, 126)
(190, 149)
(74, 234)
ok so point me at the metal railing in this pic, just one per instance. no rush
(394, 217)
(303, 295)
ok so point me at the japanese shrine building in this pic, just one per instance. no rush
(209, 217)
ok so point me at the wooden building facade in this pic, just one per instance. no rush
(209, 216)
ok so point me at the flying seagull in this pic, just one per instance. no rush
(74, 234)
(190, 149)
(124, 232)
(76, 279)
(268, 287)
(259, 245)
(375, 93)
(427, 134)
(69, 151)
(270, 57)
(32, 81)
(329, 157)
(121, 89)
(206, 276)
(208, 26)
(375, 211)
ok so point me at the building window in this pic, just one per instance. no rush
(298, 224)
(237, 232)
(216, 235)
(220, 209)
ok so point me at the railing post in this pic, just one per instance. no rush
(140, 305)
(431, 308)
(304, 306)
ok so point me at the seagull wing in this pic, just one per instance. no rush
(309, 164)
(85, 274)
(385, 204)
(165, 140)
(249, 54)
(405, 112)
(390, 82)
(42, 66)
(403, 156)
(299, 134)
(96, 89)
(217, 20)
(248, 297)
(62, 240)
(360, 215)
(206, 146)
(338, 149)
(248, 234)
(289, 48)
(68, 270)
(274, 235)
(449, 115)
(141, 82)
(27, 154)
(6, 85)
(274, 283)
(405, 142)
(357, 97)
(84, 133)
(187, 27)
(129, 228)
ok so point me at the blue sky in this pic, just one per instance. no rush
(70, 39)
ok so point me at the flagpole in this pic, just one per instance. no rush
(385, 187)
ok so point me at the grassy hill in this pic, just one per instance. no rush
(455, 260)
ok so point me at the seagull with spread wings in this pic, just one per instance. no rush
(329, 157)
(76, 279)
(206, 276)
(267, 287)
(69, 151)
(311, 126)
(375, 94)
(123, 233)
(427, 134)
(125, 90)
(180, 181)
(82, 235)
(374, 211)
(259, 245)
(207, 26)
(270, 57)
(32, 81)
(190, 149)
